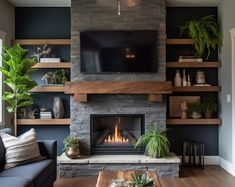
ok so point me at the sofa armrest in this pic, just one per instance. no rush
(48, 148)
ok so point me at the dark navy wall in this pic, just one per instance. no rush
(175, 17)
(55, 23)
(46, 23)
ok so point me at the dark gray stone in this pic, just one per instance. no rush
(75, 170)
(87, 15)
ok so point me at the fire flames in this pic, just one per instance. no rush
(117, 137)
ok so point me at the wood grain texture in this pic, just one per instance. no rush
(81, 97)
(179, 41)
(43, 122)
(48, 89)
(119, 87)
(42, 41)
(52, 65)
(211, 176)
(197, 89)
(105, 177)
(193, 64)
(155, 98)
(193, 121)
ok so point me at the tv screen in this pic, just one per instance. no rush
(118, 51)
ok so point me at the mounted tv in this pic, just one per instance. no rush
(118, 51)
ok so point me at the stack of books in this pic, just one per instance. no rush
(49, 60)
(190, 59)
(46, 115)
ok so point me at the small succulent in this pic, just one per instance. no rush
(71, 141)
(141, 180)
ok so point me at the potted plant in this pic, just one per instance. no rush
(209, 105)
(205, 33)
(71, 147)
(141, 180)
(195, 109)
(155, 142)
(16, 68)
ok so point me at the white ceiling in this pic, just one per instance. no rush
(67, 3)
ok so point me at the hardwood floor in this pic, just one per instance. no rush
(211, 176)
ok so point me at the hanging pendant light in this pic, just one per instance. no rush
(119, 4)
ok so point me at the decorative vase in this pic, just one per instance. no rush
(177, 79)
(58, 108)
(72, 152)
(208, 114)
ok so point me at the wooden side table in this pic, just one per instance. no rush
(105, 177)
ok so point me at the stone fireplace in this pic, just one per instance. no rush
(108, 123)
(88, 15)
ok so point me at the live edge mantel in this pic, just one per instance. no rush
(154, 89)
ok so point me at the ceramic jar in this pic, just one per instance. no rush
(200, 77)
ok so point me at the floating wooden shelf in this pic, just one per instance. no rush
(197, 89)
(178, 41)
(193, 64)
(44, 121)
(48, 89)
(52, 65)
(154, 89)
(194, 121)
(42, 41)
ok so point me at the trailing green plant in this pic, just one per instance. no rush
(16, 68)
(71, 141)
(210, 103)
(205, 33)
(155, 142)
(195, 107)
(141, 180)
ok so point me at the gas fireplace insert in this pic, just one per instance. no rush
(116, 134)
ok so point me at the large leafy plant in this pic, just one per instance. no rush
(155, 142)
(205, 33)
(16, 68)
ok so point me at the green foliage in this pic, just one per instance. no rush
(155, 142)
(210, 103)
(205, 33)
(195, 107)
(71, 141)
(142, 180)
(16, 68)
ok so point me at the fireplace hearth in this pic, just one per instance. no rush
(116, 134)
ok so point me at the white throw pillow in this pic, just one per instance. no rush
(22, 149)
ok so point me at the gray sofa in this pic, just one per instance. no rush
(37, 174)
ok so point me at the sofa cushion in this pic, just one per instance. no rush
(21, 150)
(15, 181)
(2, 148)
(38, 171)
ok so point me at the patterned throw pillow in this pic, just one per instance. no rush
(21, 150)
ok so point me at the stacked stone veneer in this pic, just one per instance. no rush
(87, 15)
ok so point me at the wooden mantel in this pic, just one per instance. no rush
(154, 89)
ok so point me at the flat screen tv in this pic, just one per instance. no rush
(118, 51)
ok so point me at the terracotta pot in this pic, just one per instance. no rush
(208, 114)
(72, 152)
